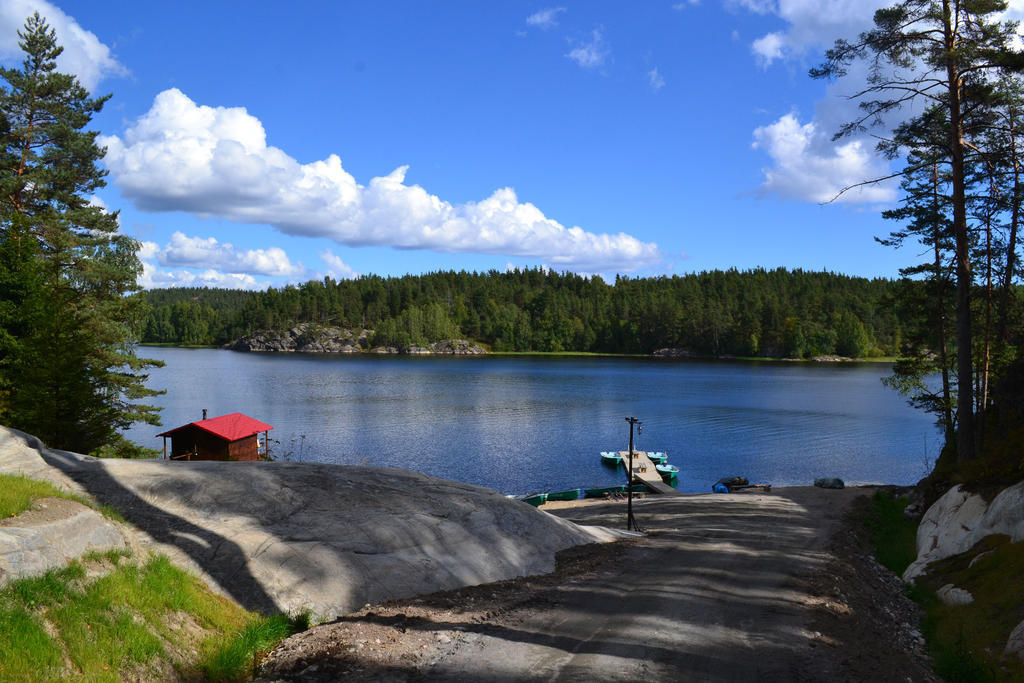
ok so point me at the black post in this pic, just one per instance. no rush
(630, 522)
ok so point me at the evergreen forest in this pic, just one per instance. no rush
(773, 313)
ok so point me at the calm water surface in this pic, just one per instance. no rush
(521, 424)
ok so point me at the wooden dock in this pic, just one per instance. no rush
(645, 473)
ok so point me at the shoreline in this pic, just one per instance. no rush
(553, 354)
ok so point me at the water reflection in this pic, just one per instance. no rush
(526, 423)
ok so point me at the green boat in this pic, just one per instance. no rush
(535, 499)
(611, 458)
(667, 471)
(658, 457)
(609, 490)
(571, 494)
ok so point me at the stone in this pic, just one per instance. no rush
(309, 338)
(977, 558)
(958, 520)
(41, 539)
(1015, 643)
(829, 483)
(674, 353)
(946, 529)
(1005, 514)
(324, 538)
(951, 595)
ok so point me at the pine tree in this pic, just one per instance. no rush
(68, 316)
(945, 52)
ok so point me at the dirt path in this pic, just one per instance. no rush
(722, 588)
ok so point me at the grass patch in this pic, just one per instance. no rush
(17, 493)
(967, 641)
(893, 536)
(236, 657)
(151, 619)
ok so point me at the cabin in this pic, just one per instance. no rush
(229, 437)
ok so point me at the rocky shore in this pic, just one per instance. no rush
(309, 338)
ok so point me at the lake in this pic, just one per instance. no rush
(525, 423)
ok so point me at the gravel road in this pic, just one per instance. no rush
(742, 587)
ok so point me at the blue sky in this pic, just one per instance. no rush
(254, 144)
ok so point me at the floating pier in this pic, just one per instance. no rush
(645, 473)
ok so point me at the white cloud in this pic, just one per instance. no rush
(679, 6)
(84, 55)
(756, 6)
(205, 262)
(593, 53)
(199, 252)
(768, 48)
(214, 161)
(813, 24)
(337, 268)
(148, 250)
(809, 167)
(655, 80)
(546, 18)
(806, 163)
(153, 277)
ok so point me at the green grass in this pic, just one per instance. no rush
(235, 657)
(893, 536)
(135, 618)
(967, 640)
(17, 493)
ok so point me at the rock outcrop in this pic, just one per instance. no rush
(324, 538)
(951, 595)
(674, 353)
(958, 520)
(54, 532)
(1015, 643)
(308, 338)
(304, 338)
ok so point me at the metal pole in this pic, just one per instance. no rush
(630, 522)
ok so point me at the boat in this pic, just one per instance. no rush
(571, 494)
(612, 458)
(658, 457)
(667, 471)
(535, 499)
(604, 491)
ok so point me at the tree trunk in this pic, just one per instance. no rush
(965, 398)
(1011, 246)
(940, 291)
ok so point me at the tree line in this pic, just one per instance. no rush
(780, 313)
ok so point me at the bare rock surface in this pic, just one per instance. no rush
(951, 595)
(51, 534)
(304, 338)
(1015, 643)
(309, 338)
(958, 520)
(323, 538)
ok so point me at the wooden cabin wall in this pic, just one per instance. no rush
(206, 445)
(244, 449)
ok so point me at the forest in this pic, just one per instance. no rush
(772, 313)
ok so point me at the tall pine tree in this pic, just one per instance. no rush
(68, 315)
(949, 53)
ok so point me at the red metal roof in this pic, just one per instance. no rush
(231, 427)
